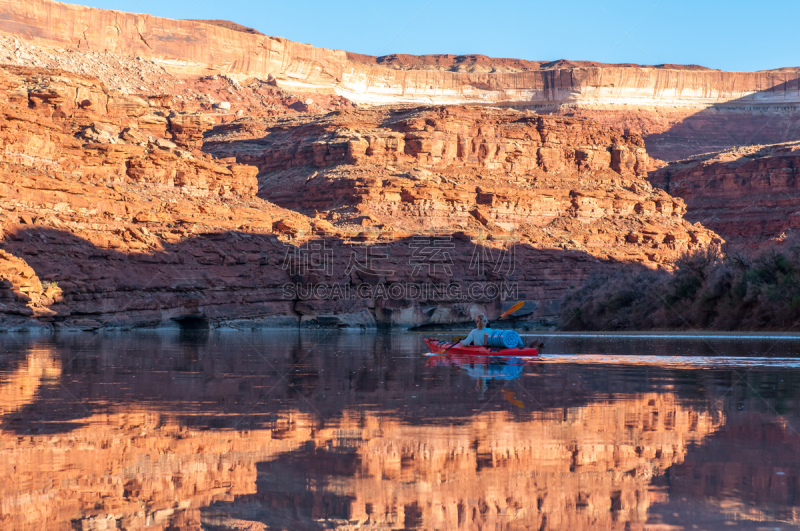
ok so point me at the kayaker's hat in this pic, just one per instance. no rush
(482, 318)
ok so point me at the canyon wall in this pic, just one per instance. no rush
(194, 46)
(554, 183)
(679, 110)
(149, 174)
(204, 46)
(747, 195)
(112, 215)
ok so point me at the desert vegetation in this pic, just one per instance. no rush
(707, 289)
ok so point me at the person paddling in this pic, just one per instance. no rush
(478, 335)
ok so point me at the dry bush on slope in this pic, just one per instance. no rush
(706, 291)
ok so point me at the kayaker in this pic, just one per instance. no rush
(478, 336)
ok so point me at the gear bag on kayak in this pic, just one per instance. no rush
(505, 339)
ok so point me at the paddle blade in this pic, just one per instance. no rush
(513, 309)
(512, 397)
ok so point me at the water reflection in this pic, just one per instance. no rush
(589, 468)
(485, 370)
(19, 385)
(288, 430)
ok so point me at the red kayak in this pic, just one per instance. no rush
(439, 347)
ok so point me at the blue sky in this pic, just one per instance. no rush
(729, 35)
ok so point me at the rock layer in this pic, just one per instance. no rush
(112, 216)
(196, 45)
(748, 195)
(554, 182)
(679, 110)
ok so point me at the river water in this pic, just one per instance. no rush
(334, 429)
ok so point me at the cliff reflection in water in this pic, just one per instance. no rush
(319, 430)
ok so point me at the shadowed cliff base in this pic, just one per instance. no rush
(707, 291)
(247, 280)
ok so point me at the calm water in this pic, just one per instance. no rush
(349, 430)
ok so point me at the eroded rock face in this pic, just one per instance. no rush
(551, 182)
(438, 137)
(106, 194)
(747, 195)
(85, 172)
(680, 110)
(75, 131)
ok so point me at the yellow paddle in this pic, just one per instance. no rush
(506, 313)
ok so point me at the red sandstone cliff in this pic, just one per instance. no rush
(109, 190)
(89, 170)
(553, 182)
(748, 195)
(679, 110)
(112, 216)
